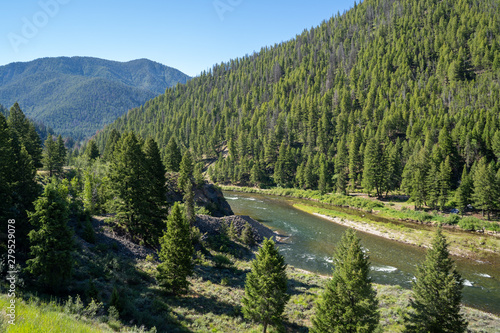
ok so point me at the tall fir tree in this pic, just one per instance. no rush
(51, 240)
(349, 303)
(437, 292)
(175, 253)
(127, 176)
(51, 157)
(111, 142)
(265, 287)
(374, 167)
(92, 151)
(173, 156)
(185, 170)
(463, 195)
(354, 158)
(25, 132)
(61, 154)
(341, 168)
(445, 174)
(485, 194)
(155, 192)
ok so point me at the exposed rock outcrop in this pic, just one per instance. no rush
(211, 226)
(206, 195)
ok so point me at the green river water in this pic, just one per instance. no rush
(310, 243)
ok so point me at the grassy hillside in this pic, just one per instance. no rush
(79, 95)
(213, 303)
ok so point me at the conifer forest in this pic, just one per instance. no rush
(345, 180)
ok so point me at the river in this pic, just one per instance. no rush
(311, 244)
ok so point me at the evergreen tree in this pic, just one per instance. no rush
(349, 302)
(127, 176)
(154, 192)
(111, 142)
(26, 134)
(485, 194)
(18, 186)
(464, 191)
(444, 182)
(51, 157)
(265, 287)
(92, 151)
(175, 254)
(185, 171)
(6, 162)
(340, 167)
(173, 156)
(354, 158)
(61, 154)
(394, 167)
(437, 293)
(51, 240)
(374, 168)
(247, 236)
(323, 175)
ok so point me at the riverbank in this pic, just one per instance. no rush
(384, 209)
(460, 244)
(381, 222)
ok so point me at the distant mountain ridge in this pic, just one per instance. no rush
(79, 95)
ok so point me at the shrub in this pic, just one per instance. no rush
(452, 219)
(221, 261)
(470, 223)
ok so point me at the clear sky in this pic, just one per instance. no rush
(190, 35)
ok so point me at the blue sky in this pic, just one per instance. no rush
(190, 35)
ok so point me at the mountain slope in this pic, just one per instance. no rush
(415, 81)
(79, 95)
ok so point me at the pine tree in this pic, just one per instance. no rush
(154, 192)
(127, 176)
(485, 190)
(173, 156)
(26, 134)
(323, 175)
(185, 171)
(464, 191)
(92, 151)
(109, 149)
(349, 302)
(437, 293)
(61, 155)
(175, 254)
(444, 182)
(50, 157)
(265, 287)
(340, 167)
(18, 186)
(6, 162)
(51, 240)
(354, 158)
(374, 168)
(247, 236)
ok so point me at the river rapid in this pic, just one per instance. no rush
(310, 242)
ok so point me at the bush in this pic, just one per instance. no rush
(470, 223)
(222, 261)
(452, 219)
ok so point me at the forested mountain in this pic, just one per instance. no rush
(79, 95)
(391, 94)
